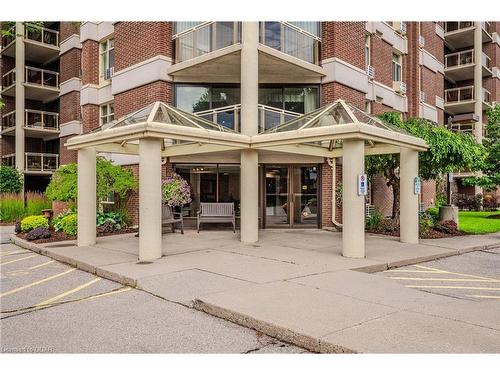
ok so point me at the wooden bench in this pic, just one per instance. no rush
(168, 217)
(216, 213)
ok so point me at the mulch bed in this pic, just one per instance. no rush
(60, 236)
(431, 234)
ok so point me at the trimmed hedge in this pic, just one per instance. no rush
(32, 222)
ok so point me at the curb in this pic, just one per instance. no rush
(113, 276)
(280, 333)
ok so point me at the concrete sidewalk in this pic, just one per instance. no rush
(295, 285)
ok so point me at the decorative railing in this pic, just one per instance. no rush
(204, 38)
(9, 78)
(42, 35)
(41, 120)
(457, 25)
(456, 59)
(9, 120)
(459, 94)
(228, 116)
(41, 162)
(290, 39)
(9, 36)
(42, 77)
(270, 117)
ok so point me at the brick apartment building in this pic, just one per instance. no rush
(107, 70)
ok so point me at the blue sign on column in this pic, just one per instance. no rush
(362, 184)
(416, 185)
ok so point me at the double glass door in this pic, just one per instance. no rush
(291, 196)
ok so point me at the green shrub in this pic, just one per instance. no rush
(63, 184)
(36, 203)
(70, 224)
(57, 221)
(433, 213)
(373, 221)
(11, 207)
(33, 222)
(425, 223)
(115, 218)
(11, 180)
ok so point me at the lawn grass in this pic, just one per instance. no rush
(475, 222)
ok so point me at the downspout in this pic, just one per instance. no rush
(332, 163)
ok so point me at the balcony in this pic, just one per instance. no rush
(36, 123)
(459, 66)
(9, 160)
(8, 121)
(270, 117)
(41, 84)
(41, 43)
(40, 162)
(460, 34)
(228, 116)
(8, 82)
(461, 99)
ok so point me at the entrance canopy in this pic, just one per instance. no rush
(318, 133)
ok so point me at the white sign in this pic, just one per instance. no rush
(416, 185)
(362, 184)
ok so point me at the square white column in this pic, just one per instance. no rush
(86, 197)
(249, 216)
(150, 197)
(408, 170)
(353, 205)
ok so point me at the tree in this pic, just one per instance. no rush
(11, 180)
(448, 152)
(491, 164)
(110, 179)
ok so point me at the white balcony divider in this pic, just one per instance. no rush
(270, 117)
(204, 38)
(456, 59)
(9, 120)
(9, 78)
(290, 39)
(42, 77)
(486, 61)
(41, 120)
(486, 26)
(42, 35)
(228, 116)
(41, 162)
(459, 94)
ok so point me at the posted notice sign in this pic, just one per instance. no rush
(362, 184)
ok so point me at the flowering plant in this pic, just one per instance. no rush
(176, 191)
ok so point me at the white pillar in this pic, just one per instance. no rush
(249, 218)
(150, 199)
(353, 205)
(86, 196)
(478, 89)
(408, 170)
(20, 67)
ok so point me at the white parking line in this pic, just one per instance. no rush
(483, 296)
(449, 287)
(41, 265)
(36, 283)
(443, 279)
(62, 295)
(454, 273)
(17, 260)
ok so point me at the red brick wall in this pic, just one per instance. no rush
(381, 195)
(7, 145)
(378, 108)
(140, 97)
(66, 156)
(428, 193)
(70, 64)
(433, 43)
(139, 41)
(333, 90)
(68, 28)
(90, 117)
(411, 71)
(344, 40)
(70, 107)
(90, 62)
(381, 59)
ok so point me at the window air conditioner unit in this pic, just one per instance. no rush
(422, 96)
(370, 71)
(400, 27)
(399, 87)
(108, 73)
(421, 41)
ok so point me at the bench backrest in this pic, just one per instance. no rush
(166, 212)
(217, 209)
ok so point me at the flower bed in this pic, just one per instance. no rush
(61, 236)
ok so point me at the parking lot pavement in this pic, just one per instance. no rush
(51, 307)
(473, 276)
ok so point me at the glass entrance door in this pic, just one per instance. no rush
(291, 196)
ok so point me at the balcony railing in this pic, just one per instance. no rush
(486, 61)
(41, 162)
(270, 117)
(9, 160)
(41, 120)
(486, 96)
(9, 78)
(462, 128)
(291, 40)
(454, 26)
(42, 35)
(9, 120)
(486, 26)
(228, 116)
(9, 37)
(457, 59)
(204, 38)
(459, 94)
(42, 77)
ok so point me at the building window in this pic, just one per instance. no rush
(297, 99)
(107, 58)
(107, 113)
(396, 67)
(367, 50)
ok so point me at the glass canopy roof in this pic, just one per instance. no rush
(337, 113)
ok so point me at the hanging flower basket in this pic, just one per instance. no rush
(176, 191)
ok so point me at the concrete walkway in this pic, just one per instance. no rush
(295, 285)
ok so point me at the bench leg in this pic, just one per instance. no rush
(182, 227)
(198, 226)
(234, 226)
(173, 228)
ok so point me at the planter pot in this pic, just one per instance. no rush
(447, 213)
